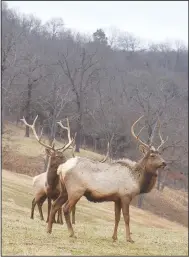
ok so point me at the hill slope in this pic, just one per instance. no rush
(25, 155)
(94, 227)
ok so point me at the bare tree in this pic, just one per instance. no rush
(128, 42)
(81, 70)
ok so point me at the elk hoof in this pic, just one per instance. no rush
(31, 218)
(130, 240)
(114, 238)
(72, 235)
(49, 231)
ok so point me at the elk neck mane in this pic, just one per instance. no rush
(125, 162)
(146, 179)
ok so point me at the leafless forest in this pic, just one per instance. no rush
(102, 84)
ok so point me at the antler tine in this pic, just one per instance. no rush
(34, 131)
(162, 141)
(70, 141)
(133, 133)
(140, 131)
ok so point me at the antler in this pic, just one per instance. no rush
(133, 133)
(35, 133)
(70, 141)
(162, 141)
(108, 149)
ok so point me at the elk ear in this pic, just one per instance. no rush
(143, 149)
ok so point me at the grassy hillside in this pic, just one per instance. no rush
(153, 235)
(94, 226)
(26, 155)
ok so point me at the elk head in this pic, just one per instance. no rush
(152, 159)
(56, 155)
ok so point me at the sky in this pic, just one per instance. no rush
(155, 21)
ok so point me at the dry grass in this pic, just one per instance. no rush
(94, 226)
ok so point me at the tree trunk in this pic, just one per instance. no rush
(3, 119)
(52, 134)
(95, 145)
(84, 142)
(78, 140)
(78, 136)
(164, 181)
(28, 108)
(159, 180)
(140, 200)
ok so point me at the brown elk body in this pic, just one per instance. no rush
(50, 179)
(100, 182)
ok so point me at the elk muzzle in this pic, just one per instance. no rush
(164, 164)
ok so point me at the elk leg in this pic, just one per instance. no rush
(67, 208)
(73, 214)
(40, 210)
(58, 217)
(59, 220)
(57, 204)
(49, 208)
(40, 204)
(117, 219)
(33, 207)
(125, 209)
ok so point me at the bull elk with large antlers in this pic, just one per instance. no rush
(99, 182)
(45, 184)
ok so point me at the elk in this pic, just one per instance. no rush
(100, 182)
(46, 183)
(40, 196)
(40, 193)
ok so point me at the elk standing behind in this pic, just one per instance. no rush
(46, 183)
(100, 182)
(40, 196)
